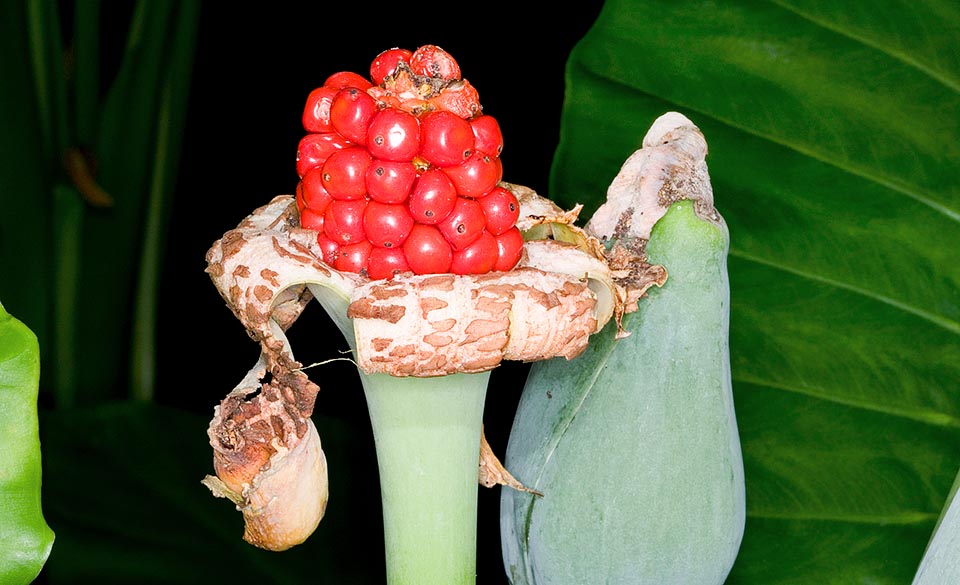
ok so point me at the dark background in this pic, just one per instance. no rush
(253, 70)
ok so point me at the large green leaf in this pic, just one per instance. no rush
(834, 140)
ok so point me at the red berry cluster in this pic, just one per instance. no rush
(401, 172)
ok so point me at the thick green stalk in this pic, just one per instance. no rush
(427, 433)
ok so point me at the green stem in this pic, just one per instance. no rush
(427, 433)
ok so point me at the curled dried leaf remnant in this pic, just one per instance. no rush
(267, 453)
(492, 472)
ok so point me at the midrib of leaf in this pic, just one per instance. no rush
(852, 35)
(948, 324)
(912, 192)
(938, 419)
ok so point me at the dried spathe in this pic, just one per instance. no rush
(412, 325)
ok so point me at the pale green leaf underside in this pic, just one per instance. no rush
(834, 137)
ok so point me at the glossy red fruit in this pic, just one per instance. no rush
(350, 113)
(343, 79)
(353, 257)
(477, 175)
(314, 149)
(315, 195)
(432, 61)
(393, 134)
(328, 248)
(343, 221)
(345, 173)
(501, 210)
(316, 114)
(433, 197)
(478, 258)
(427, 251)
(464, 224)
(510, 249)
(387, 225)
(385, 64)
(446, 139)
(487, 135)
(385, 263)
(311, 220)
(390, 182)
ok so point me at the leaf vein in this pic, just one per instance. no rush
(948, 324)
(898, 55)
(935, 418)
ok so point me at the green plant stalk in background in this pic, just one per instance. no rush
(25, 538)
(94, 178)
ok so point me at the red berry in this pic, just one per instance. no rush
(432, 61)
(316, 114)
(446, 139)
(477, 175)
(487, 135)
(390, 182)
(343, 221)
(510, 246)
(343, 79)
(501, 210)
(387, 225)
(393, 135)
(386, 263)
(464, 224)
(427, 251)
(345, 171)
(314, 149)
(386, 62)
(433, 197)
(478, 258)
(315, 195)
(350, 113)
(328, 248)
(311, 220)
(353, 257)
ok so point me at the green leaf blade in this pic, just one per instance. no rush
(25, 538)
